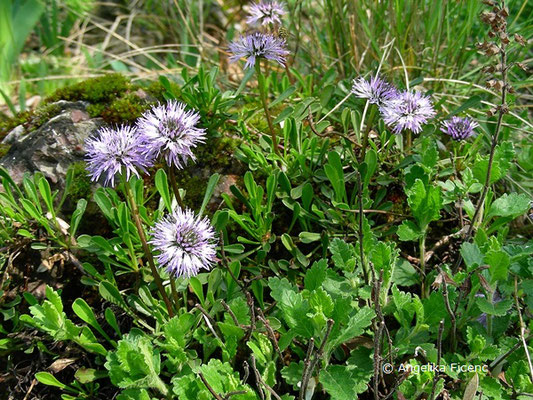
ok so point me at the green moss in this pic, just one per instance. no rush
(126, 109)
(157, 90)
(103, 89)
(214, 156)
(81, 183)
(30, 120)
(4, 148)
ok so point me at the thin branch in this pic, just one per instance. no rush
(317, 356)
(211, 323)
(451, 312)
(436, 377)
(307, 364)
(208, 386)
(522, 327)
(360, 231)
(261, 381)
(270, 332)
(232, 314)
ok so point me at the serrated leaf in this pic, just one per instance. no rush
(292, 373)
(471, 255)
(342, 254)
(499, 309)
(510, 205)
(408, 231)
(342, 382)
(425, 203)
(498, 261)
(315, 276)
(135, 363)
(355, 326)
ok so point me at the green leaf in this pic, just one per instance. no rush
(211, 185)
(134, 394)
(86, 314)
(161, 183)
(293, 306)
(471, 255)
(197, 288)
(471, 102)
(503, 155)
(283, 96)
(292, 373)
(46, 193)
(49, 379)
(309, 237)
(510, 205)
(499, 262)
(429, 155)
(220, 376)
(77, 215)
(343, 254)
(342, 382)
(315, 276)
(425, 202)
(135, 363)
(499, 309)
(247, 75)
(355, 326)
(87, 375)
(335, 174)
(405, 274)
(408, 231)
(110, 293)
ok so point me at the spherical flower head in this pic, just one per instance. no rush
(408, 110)
(266, 12)
(459, 128)
(376, 90)
(185, 242)
(171, 131)
(112, 153)
(258, 45)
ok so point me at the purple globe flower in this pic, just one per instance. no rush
(185, 242)
(258, 45)
(459, 128)
(170, 130)
(376, 90)
(266, 12)
(408, 110)
(114, 152)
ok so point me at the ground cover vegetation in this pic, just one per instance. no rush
(283, 200)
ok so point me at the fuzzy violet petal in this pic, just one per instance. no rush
(186, 243)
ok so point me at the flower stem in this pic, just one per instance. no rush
(422, 245)
(367, 133)
(174, 293)
(174, 185)
(264, 101)
(146, 248)
(494, 142)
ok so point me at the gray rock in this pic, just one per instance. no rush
(54, 146)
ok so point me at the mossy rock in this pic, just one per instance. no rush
(103, 89)
(112, 97)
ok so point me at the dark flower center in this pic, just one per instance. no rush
(173, 128)
(186, 240)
